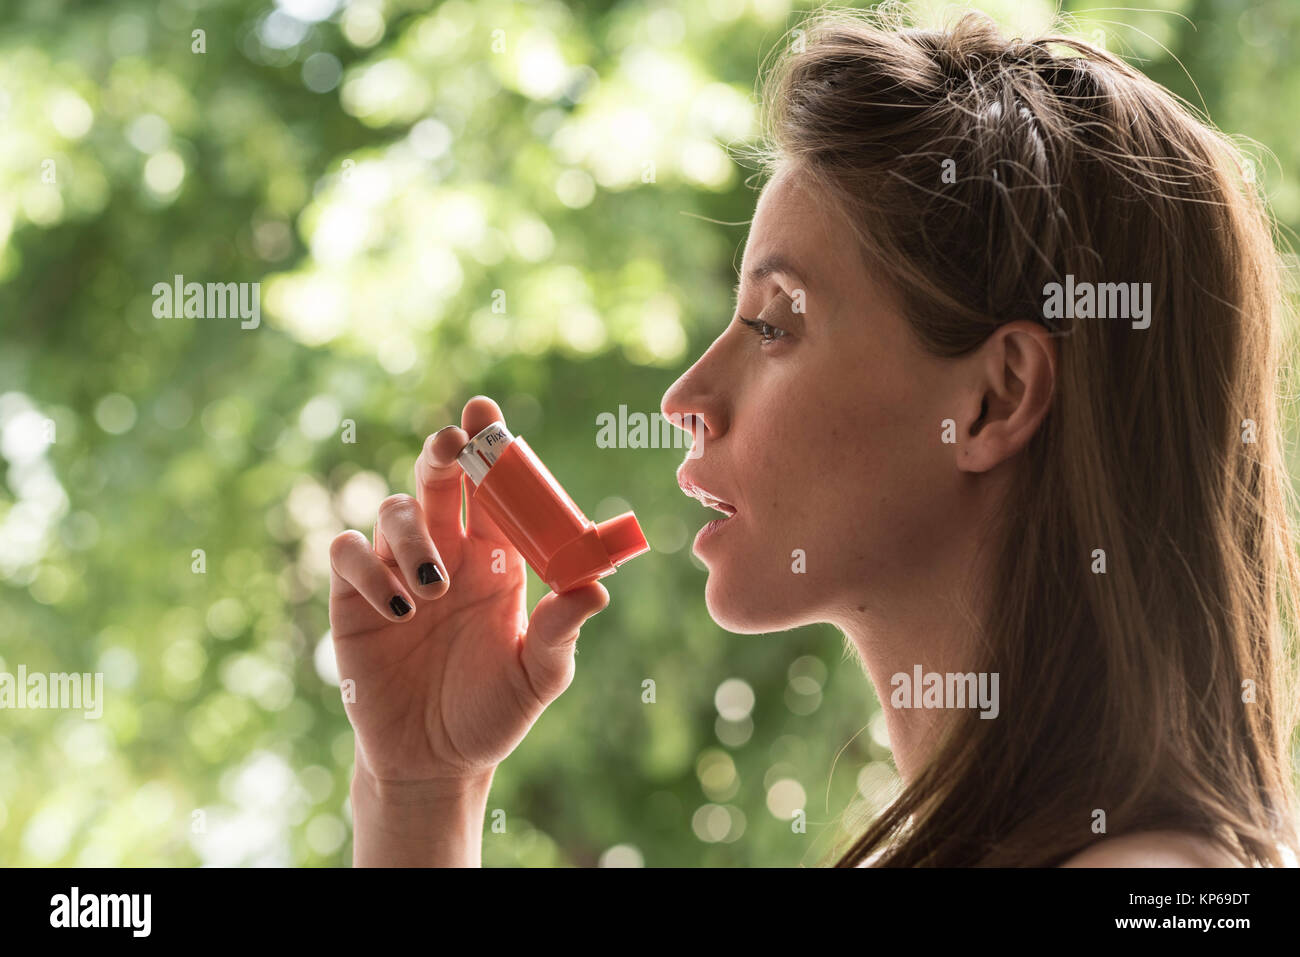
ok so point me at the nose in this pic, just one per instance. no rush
(694, 402)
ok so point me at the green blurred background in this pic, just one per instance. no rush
(387, 170)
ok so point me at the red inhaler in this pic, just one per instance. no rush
(557, 541)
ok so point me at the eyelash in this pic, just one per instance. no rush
(764, 329)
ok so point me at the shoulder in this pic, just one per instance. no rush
(1154, 849)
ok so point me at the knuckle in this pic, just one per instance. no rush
(410, 540)
(345, 542)
(396, 506)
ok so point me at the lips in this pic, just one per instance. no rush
(706, 497)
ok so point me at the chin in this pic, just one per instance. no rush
(751, 611)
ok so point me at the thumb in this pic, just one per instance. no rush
(552, 634)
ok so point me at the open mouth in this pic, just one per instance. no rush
(706, 498)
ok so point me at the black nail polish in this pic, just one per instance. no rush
(399, 606)
(429, 574)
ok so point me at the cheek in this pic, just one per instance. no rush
(891, 501)
(843, 463)
(854, 477)
(809, 470)
(773, 464)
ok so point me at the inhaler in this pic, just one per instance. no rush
(558, 542)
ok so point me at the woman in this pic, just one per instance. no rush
(998, 402)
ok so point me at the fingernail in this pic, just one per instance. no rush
(399, 606)
(429, 574)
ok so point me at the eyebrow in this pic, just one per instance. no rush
(767, 266)
(775, 263)
(770, 265)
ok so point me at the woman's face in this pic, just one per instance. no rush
(826, 438)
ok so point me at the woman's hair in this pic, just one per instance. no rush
(1151, 683)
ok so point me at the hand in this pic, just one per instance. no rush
(448, 687)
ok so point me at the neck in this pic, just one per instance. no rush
(927, 617)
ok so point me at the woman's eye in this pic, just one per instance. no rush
(764, 330)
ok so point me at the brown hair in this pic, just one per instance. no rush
(1161, 691)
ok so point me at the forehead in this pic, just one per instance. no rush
(794, 234)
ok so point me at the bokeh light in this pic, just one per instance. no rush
(435, 200)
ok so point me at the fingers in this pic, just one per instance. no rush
(547, 654)
(438, 477)
(355, 567)
(479, 413)
(437, 481)
(402, 539)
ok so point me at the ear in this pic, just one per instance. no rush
(1013, 380)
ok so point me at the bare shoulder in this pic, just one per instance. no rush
(1154, 849)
